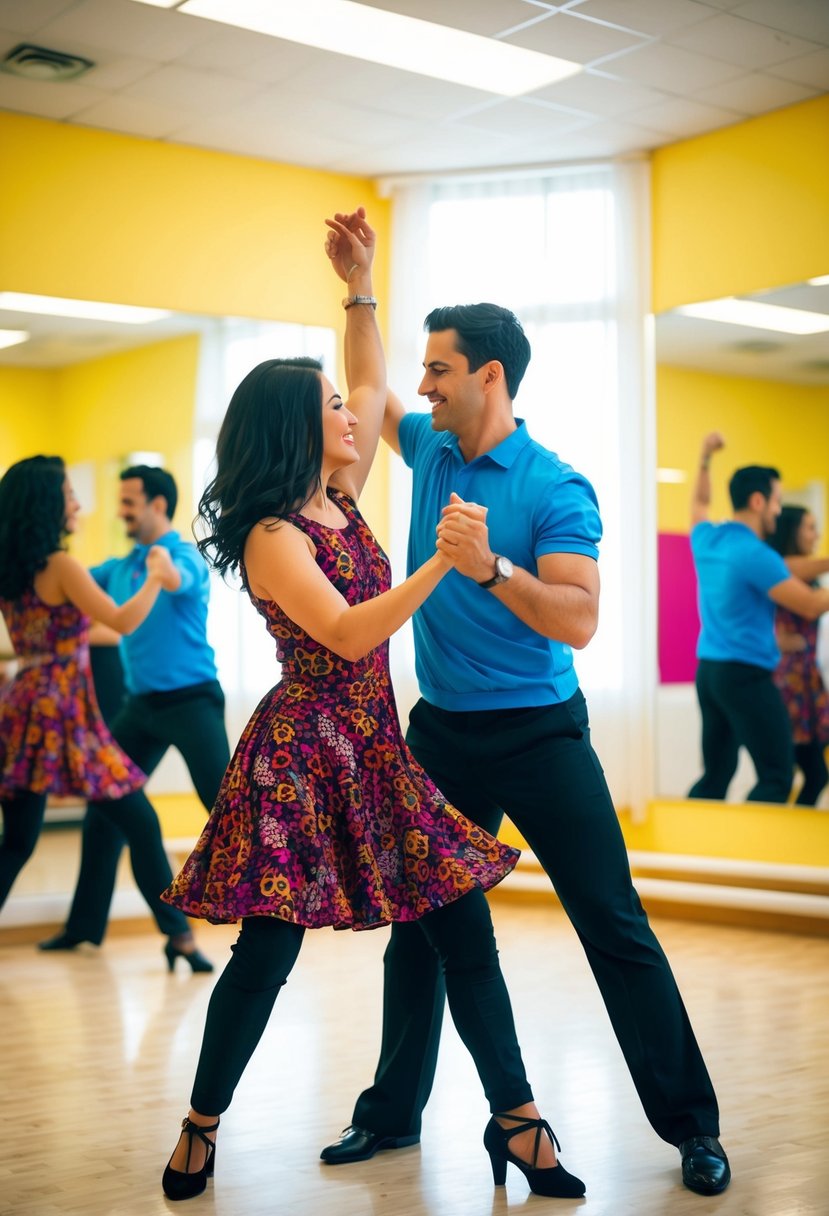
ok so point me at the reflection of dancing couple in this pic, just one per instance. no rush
(325, 817)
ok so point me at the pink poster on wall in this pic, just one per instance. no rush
(678, 617)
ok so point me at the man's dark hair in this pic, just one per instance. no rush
(157, 483)
(486, 332)
(752, 479)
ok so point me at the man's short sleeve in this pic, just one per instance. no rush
(766, 570)
(192, 569)
(411, 432)
(104, 571)
(568, 519)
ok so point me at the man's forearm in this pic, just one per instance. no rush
(562, 611)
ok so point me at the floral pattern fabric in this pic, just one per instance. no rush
(324, 816)
(800, 682)
(52, 736)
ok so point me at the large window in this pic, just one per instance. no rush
(565, 250)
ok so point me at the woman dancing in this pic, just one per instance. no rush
(798, 674)
(324, 817)
(52, 737)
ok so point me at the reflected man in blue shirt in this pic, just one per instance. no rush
(173, 697)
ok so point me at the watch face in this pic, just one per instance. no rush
(503, 567)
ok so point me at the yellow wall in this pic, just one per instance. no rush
(95, 215)
(30, 417)
(109, 217)
(138, 400)
(742, 209)
(763, 422)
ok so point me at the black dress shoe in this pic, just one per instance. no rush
(359, 1144)
(705, 1167)
(61, 941)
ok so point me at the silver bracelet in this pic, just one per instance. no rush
(350, 301)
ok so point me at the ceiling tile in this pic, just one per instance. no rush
(606, 139)
(339, 76)
(803, 18)
(113, 72)
(271, 142)
(680, 117)
(304, 112)
(431, 99)
(46, 99)
(442, 148)
(133, 116)
(671, 68)
(598, 92)
(755, 93)
(652, 17)
(27, 16)
(572, 37)
(520, 118)
(806, 69)
(735, 40)
(147, 31)
(172, 85)
(236, 51)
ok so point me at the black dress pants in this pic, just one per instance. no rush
(22, 821)
(741, 706)
(811, 760)
(460, 939)
(538, 766)
(191, 719)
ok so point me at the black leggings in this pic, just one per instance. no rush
(462, 937)
(22, 821)
(811, 760)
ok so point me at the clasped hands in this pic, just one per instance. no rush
(161, 567)
(463, 539)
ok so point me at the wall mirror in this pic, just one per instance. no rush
(768, 393)
(104, 393)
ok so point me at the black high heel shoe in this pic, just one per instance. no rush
(554, 1181)
(194, 957)
(180, 1184)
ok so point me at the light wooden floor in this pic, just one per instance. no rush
(98, 1050)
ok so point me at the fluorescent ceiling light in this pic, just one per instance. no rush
(671, 477)
(161, 3)
(401, 42)
(758, 316)
(821, 281)
(88, 310)
(12, 337)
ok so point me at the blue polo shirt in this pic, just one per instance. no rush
(471, 652)
(735, 572)
(169, 650)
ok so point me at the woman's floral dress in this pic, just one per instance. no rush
(52, 736)
(800, 682)
(324, 817)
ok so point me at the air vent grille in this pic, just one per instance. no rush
(41, 63)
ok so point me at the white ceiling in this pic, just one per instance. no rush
(737, 350)
(655, 71)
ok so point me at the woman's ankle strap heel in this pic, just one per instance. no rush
(554, 1181)
(181, 1184)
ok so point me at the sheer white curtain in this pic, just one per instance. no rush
(566, 250)
(245, 654)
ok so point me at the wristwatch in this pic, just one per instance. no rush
(503, 571)
(350, 301)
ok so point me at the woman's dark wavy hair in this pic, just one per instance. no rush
(268, 456)
(32, 520)
(784, 537)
